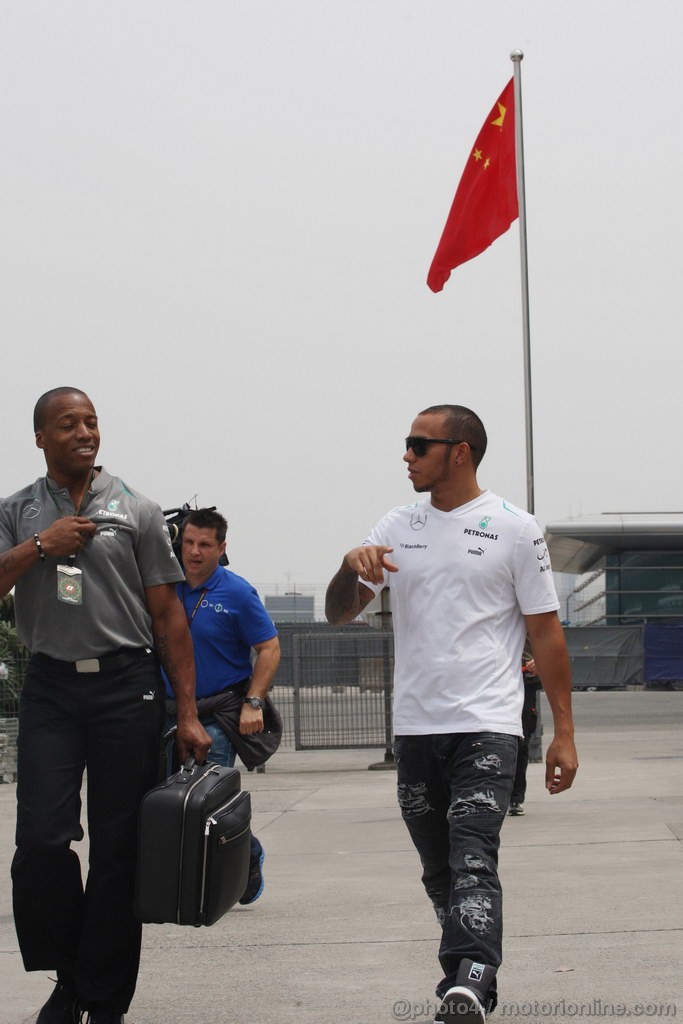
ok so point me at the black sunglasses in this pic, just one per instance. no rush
(419, 444)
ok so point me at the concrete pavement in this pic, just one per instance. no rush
(344, 933)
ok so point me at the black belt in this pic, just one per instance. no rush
(112, 662)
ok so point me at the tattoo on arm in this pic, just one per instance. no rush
(163, 649)
(345, 599)
(6, 561)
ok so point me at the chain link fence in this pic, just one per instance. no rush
(12, 670)
(334, 686)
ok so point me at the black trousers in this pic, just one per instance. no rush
(110, 724)
(529, 722)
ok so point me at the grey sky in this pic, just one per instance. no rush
(217, 219)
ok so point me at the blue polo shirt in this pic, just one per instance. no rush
(226, 619)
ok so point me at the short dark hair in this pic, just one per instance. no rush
(41, 406)
(208, 519)
(463, 424)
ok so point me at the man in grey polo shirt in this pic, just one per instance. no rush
(94, 576)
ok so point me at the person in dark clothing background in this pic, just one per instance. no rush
(532, 686)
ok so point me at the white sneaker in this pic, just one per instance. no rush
(460, 1005)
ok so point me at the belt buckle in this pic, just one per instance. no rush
(88, 665)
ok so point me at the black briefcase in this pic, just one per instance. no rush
(193, 846)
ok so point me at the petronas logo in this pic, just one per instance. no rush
(483, 523)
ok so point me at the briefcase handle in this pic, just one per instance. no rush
(184, 772)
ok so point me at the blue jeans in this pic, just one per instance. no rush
(222, 752)
(453, 791)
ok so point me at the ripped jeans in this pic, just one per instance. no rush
(453, 791)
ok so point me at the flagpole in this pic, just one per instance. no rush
(517, 57)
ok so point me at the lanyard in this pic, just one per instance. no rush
(190, 617)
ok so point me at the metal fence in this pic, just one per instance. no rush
(333, 690)
(341, 693)
(334, 686)
(12, 670)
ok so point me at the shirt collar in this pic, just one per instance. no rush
(97, 485)
(212, 582)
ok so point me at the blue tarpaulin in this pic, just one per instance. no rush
(663, 652)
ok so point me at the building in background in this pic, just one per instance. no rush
(292, 606)
(630, 568)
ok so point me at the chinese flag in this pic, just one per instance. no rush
(485, 204)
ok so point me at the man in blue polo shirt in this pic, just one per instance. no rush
(227, 621)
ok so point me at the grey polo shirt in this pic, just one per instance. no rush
(130, 551)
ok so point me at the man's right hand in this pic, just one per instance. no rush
(346, 596)
(192, 738)
(369, 562)
(67, 536)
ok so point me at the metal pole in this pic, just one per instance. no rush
(387, 681)
(517, 57)
(296, 679)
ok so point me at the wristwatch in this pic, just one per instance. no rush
(255, 702)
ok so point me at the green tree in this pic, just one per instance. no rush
(7, 609)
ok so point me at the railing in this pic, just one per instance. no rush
(334, 686)
(341, 692)
(12, 670)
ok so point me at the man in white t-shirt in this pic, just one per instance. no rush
(470, 578)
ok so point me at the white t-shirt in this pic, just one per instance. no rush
(466, 578)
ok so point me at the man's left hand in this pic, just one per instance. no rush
(561, 764)
(251, 720)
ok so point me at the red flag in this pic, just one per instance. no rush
(485, 204)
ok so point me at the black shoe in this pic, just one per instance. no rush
(461, 1004)
(255, 882)
(466, 1002)
(62, 1007)
(516, 809)
(100, 1017)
